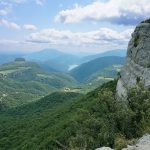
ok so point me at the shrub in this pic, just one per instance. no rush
(120, 142)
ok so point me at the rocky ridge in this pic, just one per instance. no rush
(137, 65)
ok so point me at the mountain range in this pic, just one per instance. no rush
(56, 61)
(103, 67)
(44, 72)
(117, 52)
(44, 106)
(51, 109)
(51, 59)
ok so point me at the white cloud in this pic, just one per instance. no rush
(5, 8)
(30, 27)
(13, 25)
(6, 42)
(102, 38)
(99, 40)
(114, 11)
(9, 24)
(40, 2)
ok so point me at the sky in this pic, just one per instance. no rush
(73, 26)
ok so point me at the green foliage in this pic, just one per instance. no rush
(99, 67)
(72, 121)
(139, 104)
(120, 142)
(24, 82)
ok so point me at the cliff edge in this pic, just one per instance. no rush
(137, 64)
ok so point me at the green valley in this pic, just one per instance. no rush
(106, 67)
(22, 82)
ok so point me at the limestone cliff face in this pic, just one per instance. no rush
(137, 65)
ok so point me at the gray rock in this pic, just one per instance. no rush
(137, 65)
(104, 148)
(142, 144)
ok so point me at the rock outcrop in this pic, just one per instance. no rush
(142, 144)
(137, 65)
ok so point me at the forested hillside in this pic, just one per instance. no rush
(72, 121)
(22, 82)
(100, 67)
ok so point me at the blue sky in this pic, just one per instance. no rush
(69, 25)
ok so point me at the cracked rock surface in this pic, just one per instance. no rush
(137, 65)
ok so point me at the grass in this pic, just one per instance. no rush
(5, 72)
(9, 71)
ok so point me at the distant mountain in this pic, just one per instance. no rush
(22, 82)
(56, 61)
(5, 58)
(119, 52)
(52, 59)
(104, 66)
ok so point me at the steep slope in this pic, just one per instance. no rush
(23, 82)
(72, 121)
(103, 67)
(137, 66)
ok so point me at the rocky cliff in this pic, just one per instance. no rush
(137, 65)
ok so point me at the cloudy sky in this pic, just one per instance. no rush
(69, 25)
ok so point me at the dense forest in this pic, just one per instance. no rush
(77, 122)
